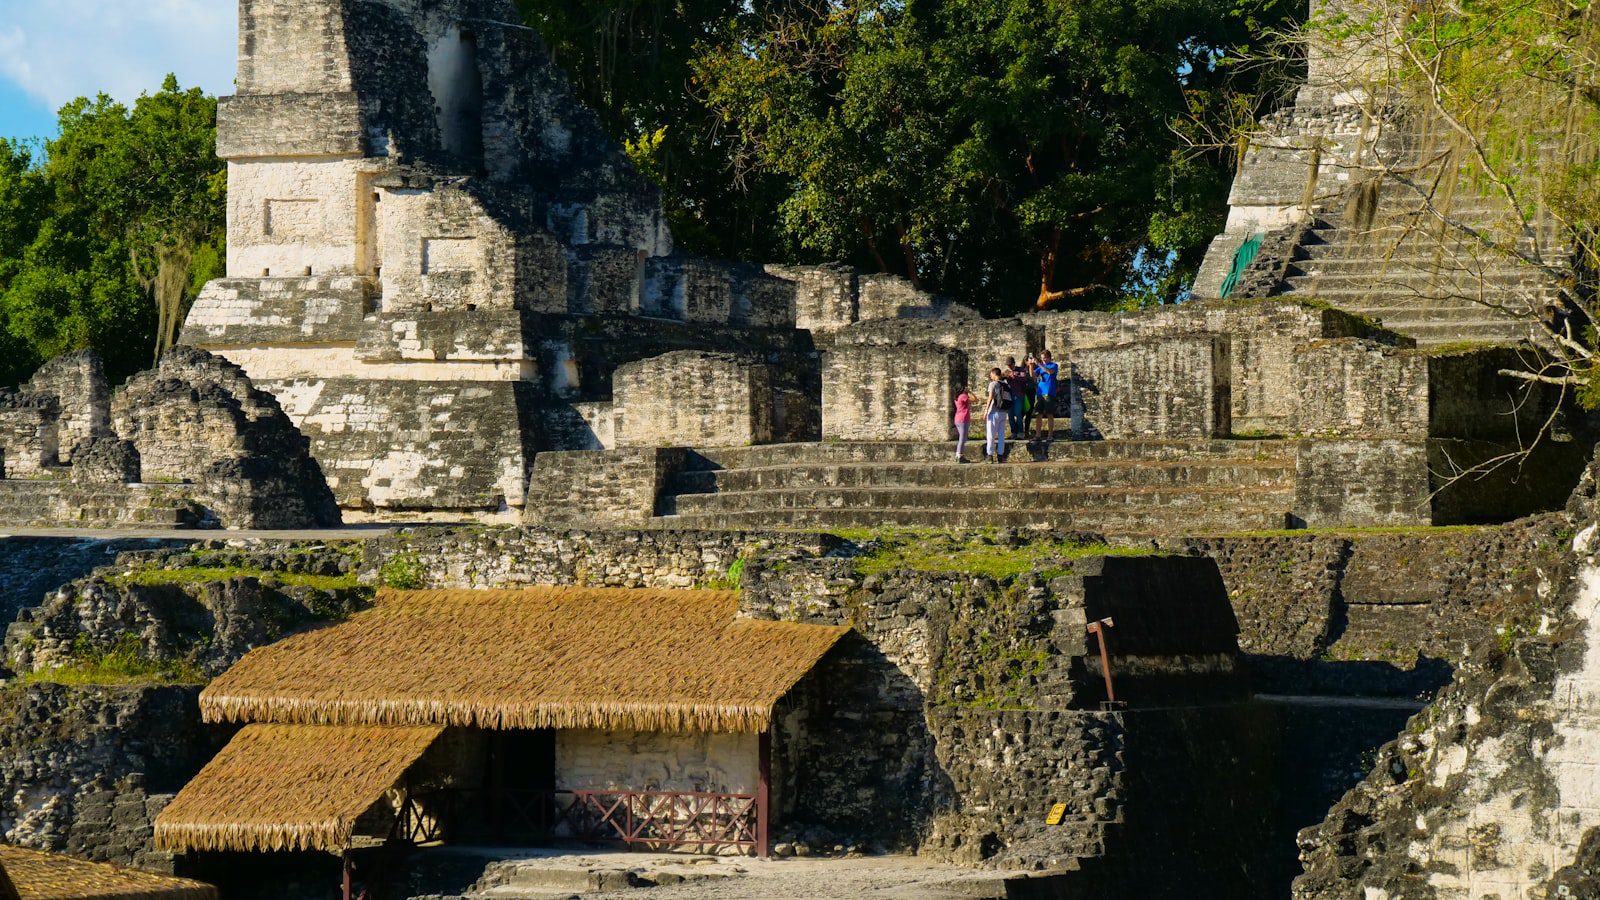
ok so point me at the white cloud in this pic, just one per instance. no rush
(56, 50)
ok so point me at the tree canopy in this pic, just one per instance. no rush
(1008, 152)
(108, 231)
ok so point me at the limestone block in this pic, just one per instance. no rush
(1361, 483)
(416, 448)
(983, 343)
(825, 296)
(581, 426)
(252, 311)
(78, 382)
(1167, 387)
(197, 419)
(1355, 388)
(762, 301)
(891, 297)
(29, 433)
(106, 460)
(605, 279)
(600, 488)
(693, 399)
(899, 393)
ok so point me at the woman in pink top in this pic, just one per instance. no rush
(963, 421)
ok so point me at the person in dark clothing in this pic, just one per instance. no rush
(1020, 382)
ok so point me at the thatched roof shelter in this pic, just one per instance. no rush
(620, 659)
(289, 787)
(34, 875)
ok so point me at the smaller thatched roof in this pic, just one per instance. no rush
(289, 787)
(618, 659)
(35, 875)
(8, 891)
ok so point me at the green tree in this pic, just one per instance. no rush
(633, 61)
(1008, 152)
(123, 219)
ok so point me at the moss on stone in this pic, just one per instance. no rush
(123, 663)
(979, 556)
(199, 574)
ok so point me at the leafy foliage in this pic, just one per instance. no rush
(1007, 152)
(108, 231)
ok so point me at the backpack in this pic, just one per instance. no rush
(1005, 393)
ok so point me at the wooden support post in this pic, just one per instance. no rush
(763, 790)
(349, 876)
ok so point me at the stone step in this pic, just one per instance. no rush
(998, 497)
(1435, 334)
(1103, 520)
(1019, 475)
(831, 452)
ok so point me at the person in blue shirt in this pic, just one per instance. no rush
(1046, 375)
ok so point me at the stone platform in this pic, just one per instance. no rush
(523, 874)
(1121, 486)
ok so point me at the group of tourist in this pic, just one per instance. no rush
(1022, 397)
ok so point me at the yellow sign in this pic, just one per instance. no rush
(1056, 812)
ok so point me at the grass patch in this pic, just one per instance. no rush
(123, 664)
(1352, 532)
(946, 556)
(200, 574)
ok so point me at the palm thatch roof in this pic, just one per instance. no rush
(8, 891)
(35, 875)
(289, 787)
(620, 659)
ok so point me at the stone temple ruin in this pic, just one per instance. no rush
(463, 296)
(450, 299)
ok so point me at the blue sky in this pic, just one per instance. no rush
(52, 51)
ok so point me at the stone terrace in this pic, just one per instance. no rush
(1121, 486)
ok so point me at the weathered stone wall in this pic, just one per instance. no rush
(825, 296)
(197, 419)
(1357, 388)
(85, 770)
(29, 443)
(1264, 340)
(599, 488)
(905, 713)
(900, 393)
(693, 399)
(656, 761)
(509, 557)
(1167, 387)
(1365, 482)
(38, 503)
(83, 397)
(1376, 612)
(984, 344)
(1489, 791)
(413, 448)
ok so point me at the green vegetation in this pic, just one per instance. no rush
(108, 232)
(728, 582)
(403, 572)
(1354, 531)
(122, 663)
(1009, 153)
(197, 574)
(974, 556)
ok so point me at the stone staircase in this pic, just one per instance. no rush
(1145, 486)
(1423, 279)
